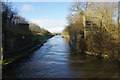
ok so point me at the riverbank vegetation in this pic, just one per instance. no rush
(94, 28)
(18, 34)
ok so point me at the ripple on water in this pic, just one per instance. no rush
(53, 60)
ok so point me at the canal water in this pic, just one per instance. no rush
(55, 60)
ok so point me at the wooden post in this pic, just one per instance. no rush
(84, 23)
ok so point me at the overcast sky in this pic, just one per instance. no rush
(48, 15)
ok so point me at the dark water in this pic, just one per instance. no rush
(54, 60)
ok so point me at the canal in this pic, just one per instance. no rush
(54, 60)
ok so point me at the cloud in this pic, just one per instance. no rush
(27, 8)
(50, 25)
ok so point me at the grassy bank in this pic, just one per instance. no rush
(77, 49)
(38, 40)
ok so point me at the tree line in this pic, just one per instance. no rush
(10, 18)
(94, 28)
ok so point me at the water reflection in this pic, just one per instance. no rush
(93, 68)
(54, 60)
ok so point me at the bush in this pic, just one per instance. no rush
(102, 42)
